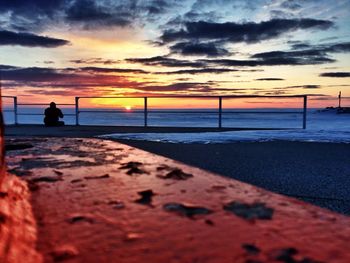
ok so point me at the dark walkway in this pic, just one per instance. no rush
(318, 173)
(90, 131)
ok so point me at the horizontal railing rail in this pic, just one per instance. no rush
(146, 111)
(220, 111)
(196, 96)
(44, 104)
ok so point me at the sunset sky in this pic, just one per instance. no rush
(58, 49)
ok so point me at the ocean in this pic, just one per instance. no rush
(321, 126)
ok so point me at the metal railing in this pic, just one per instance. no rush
(14, 109)
(219, 112)
(146, 110)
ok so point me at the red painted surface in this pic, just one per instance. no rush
(18, 233)
(2, 152)
(101, 201)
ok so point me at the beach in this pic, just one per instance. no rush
(317, 173)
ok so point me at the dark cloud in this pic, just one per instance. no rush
(249, 32)
(291, 4)
(299, 57)
(94, 61)
(273, 61)
(199, 71)
(290, 54)
(103, 13)
(93, 14)
(309, 86)
(181, 86)
(67, 77)
(36, 15)
(27, 15)
(317, 54)
(113, 70)
(297, 46)
(40, 74)
(195, 49)
(337, 48)
(269, 79)
(29, 40)
(309, 51)
(157, 7)
(35, 74)
(342, 47)
(166, 62)
(6, 67)
(336, 74)
(275, 58)
(312, 56)
(24, 7)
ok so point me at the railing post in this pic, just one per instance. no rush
(145, 112)
(15, 109)
(304, 112)
(77, 111)
(220, 112)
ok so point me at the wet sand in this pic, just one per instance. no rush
(318, 173)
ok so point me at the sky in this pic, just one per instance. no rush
(59, 49)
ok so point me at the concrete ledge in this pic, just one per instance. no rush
(102, 201)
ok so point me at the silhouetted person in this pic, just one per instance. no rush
(52, 115)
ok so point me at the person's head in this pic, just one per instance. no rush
(52, 105)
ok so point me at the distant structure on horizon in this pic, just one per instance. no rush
(339, 109)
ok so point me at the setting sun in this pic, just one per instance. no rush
(128, 108)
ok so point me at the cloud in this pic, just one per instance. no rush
(299, 57)
(195, 49)
(81, 79)
(341, 47)
(29, 40)
(113, 70)
(273, 61)
(274, 58)
(92, 15)
(181, 86)
(68, 77)
(336, 74)
(6, 67)
(318, 54)
(199, 71)
(24, 7)
(24, 15)
(337, 48)
(37, 15)
(269, 79)
(300, 45)
(34, 74)
(291, 4)
(165, 61)
(309, 86)
(249, 32)
(94, 61)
